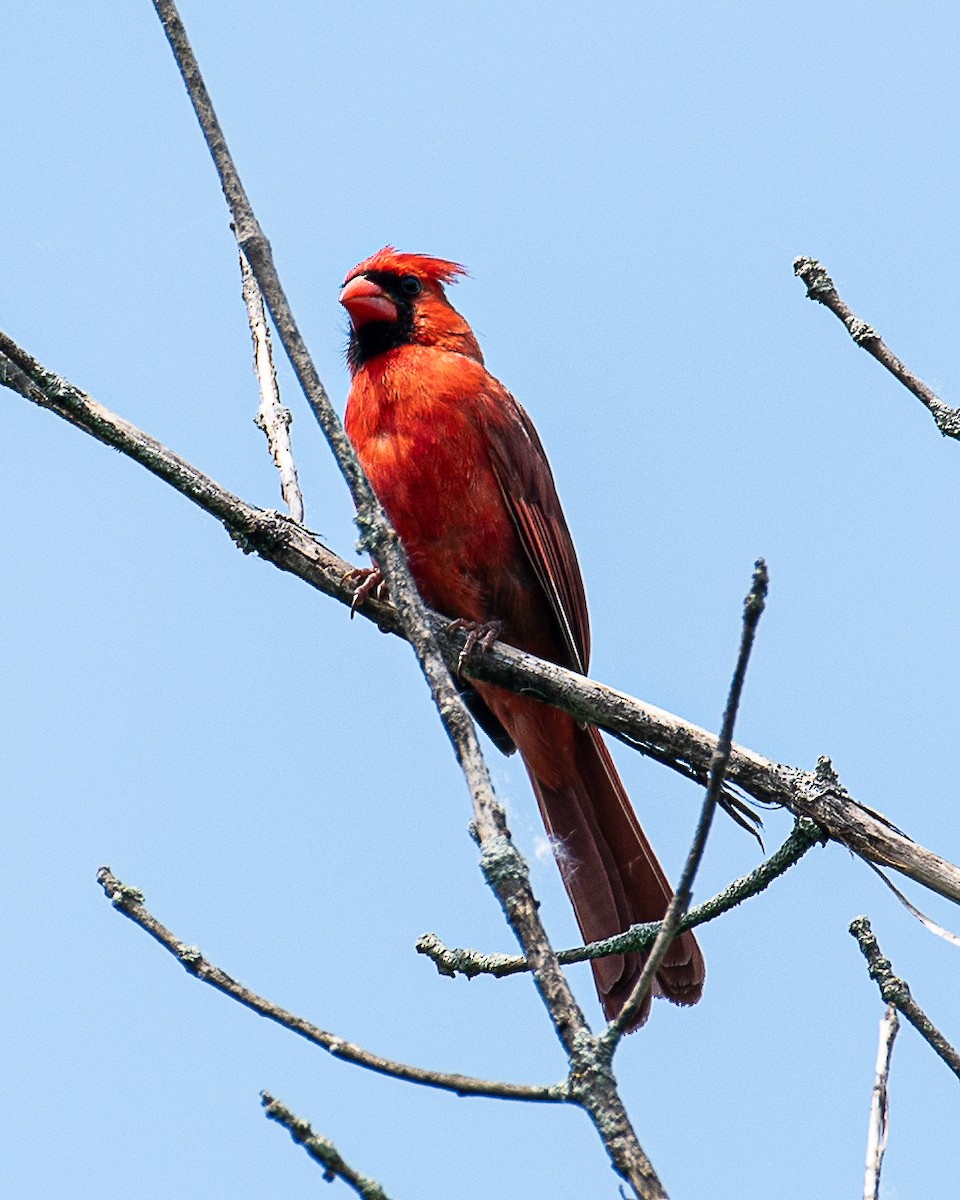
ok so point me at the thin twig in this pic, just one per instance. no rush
(638, 938)
(666, 738)
(877, 1125)
(752, 611)
(321, 1150)
(130, 902)
(930, 925)
(271, 416)
(820, 287)
(897, 992)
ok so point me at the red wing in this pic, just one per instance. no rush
(530, 494)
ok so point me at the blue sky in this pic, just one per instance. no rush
(628, 187)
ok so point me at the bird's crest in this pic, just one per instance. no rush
(436, 270)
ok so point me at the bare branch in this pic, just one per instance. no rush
(896, 991)
(376, 534)
(130, 902)
(502, 865)
(820, 287)
(752, 611)
(652, 731)
(670, 740)
(271, 416)
(457, 961)
(321, 1150)
(877, 1127)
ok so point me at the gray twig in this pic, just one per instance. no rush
(820, 287)
(877, 1125)
(752, 611)
(638, 938)
(130, 902)
(321, 1150)
(896, 991)
(271, 416)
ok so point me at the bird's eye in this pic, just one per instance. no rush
(410, 285)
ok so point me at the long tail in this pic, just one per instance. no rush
(609, 869)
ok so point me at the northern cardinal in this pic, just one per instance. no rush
(459, 468)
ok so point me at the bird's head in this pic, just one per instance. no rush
(396, 299)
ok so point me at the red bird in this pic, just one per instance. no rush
(461, 473)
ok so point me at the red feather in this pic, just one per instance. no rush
(437, 270)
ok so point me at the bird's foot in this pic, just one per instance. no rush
(369, 582)
(480, 637)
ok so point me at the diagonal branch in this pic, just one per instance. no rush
(820, 287)
(376, 533)
(652, 731)
(752, 611)
(896, 991)
(502, 865)
(130, 902)
(638, 938)
(321, 1150)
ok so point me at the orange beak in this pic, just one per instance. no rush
(365, 301)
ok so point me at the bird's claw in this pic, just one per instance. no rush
(370, 582)
(480, 638)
